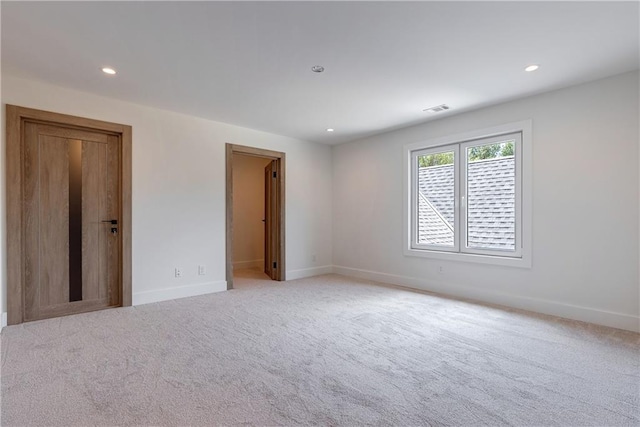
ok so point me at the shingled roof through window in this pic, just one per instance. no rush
(490, 201)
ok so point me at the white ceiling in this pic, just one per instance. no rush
(249, 63)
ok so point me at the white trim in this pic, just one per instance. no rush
(525, 128)
(309, 272)
(4, 319)
(158, 295)
(256, 263)
(584, 314)
(504, 261)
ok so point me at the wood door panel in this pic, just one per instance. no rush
(54, 220)
(94, 211)
(34, 169)
(31, 218)
(267, 220)
(271, 230)
(74, 307)
(71, 187)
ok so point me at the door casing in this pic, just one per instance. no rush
(15, 118)
(279, 256)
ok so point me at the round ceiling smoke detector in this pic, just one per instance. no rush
(317, 68)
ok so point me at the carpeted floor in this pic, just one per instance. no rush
(325, 350)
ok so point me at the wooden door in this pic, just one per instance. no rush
(70, 209)
(271, 219)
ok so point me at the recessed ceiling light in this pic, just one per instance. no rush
(108, 70)
(317, 68)
(532, 67)
(329, 130)
(437, 108)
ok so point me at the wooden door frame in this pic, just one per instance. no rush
(232, 149)
(15, 118)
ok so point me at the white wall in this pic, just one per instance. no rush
(248, 211)
(585, 207)
(179, 190)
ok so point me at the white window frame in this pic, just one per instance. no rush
(464, 181)
(415, 194)
(521, 257)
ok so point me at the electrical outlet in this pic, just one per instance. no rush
(178, 272)
(440, 269)
(202, 270)
(313, 258)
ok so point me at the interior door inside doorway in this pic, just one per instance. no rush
(71, 214)
(271, 219)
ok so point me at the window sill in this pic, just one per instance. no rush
(523, 262)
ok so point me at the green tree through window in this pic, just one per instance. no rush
(437, 159)
(490, 151)
(479, 152)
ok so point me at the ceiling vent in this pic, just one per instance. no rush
(437, 108)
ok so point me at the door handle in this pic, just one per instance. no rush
(114, 225)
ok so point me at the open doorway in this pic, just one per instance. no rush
(251, 174)
(254, 214)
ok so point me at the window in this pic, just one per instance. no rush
(468, 197)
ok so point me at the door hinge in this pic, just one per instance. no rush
(275, 265)
(275, 174)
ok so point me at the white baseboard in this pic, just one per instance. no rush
(147, 297)
(4, 319)
(256, 263)
(309, 272)
(585, 314)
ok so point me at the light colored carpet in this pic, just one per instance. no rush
(326, 350)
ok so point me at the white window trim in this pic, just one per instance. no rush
(517, 253)
(526, 197)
